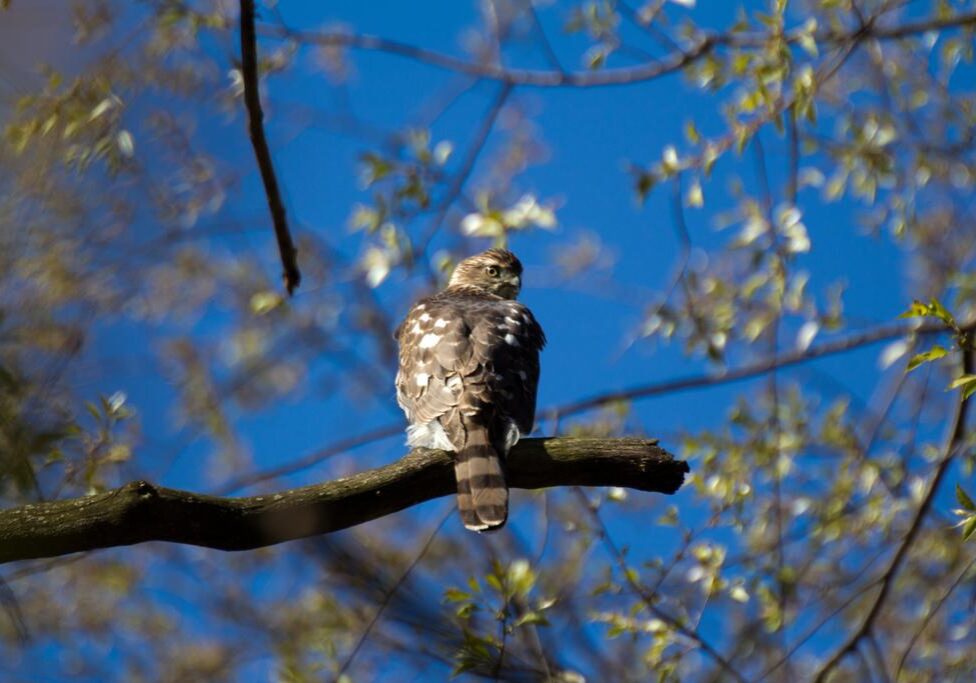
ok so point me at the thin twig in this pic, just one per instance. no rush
(554, 414)
(648, 599)
(540, 31)
(956, 438)
(513, 76)
(813, 630)
(255, 119)
(676, 61)
(467, 166)
(390, 593)
(928, 617)
(849, 343)
(312, 459)
(8, 600)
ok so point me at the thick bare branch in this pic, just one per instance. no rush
(255, 120)
(140, 512)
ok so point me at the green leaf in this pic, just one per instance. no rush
(456, 595)
(969, 528)
(968, 384)
(93, 410)
(933, 309)
(695, 198)
(934, 353)
(916, 310)
(964, 499)
(532, 618)
(939, 311)
(265, 302)
(961, 380)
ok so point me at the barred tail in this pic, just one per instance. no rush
(482, 493)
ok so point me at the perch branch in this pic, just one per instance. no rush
(140, 512)
(255, 122)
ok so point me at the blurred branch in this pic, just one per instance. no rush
(956, 439)
(385, 602)
(140, 512)
(540, 31)
(845, 344)
(467, 166)
(933, 610)
(512, 76)
(650, 70)
(836, 346)
(255, 119)
(651, 601)
(312, 459)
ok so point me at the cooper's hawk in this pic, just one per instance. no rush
(469, 369)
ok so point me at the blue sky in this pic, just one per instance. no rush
(591, 135)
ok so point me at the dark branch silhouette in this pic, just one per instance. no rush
(255, 121)
(140, 512)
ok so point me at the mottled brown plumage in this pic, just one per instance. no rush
(469, 370)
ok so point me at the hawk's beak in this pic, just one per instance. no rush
(513, 285)
(509, 287)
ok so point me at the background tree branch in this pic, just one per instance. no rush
(140, 512)
(957, 438)
(255, 120)
(705, 45)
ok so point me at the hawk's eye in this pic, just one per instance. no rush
(492, 271)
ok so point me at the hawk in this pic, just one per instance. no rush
(469, 370)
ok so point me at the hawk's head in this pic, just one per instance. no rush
(497, 271)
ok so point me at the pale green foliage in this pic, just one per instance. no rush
(967, 513)
(962, 338)
(124, 216)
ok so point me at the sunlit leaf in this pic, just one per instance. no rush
(934, 353)
(969, 528)
(964, 499)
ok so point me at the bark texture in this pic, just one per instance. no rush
(140, 512)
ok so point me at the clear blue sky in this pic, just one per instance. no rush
(590, 136)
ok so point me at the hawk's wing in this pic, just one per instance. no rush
(475, 355)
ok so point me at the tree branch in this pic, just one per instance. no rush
(850, 342)
(513, 76)
(957, 436)
(255, 120)
(674, 61)
(467, 166)
(140, 512)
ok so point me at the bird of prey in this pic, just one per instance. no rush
(469, 371)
